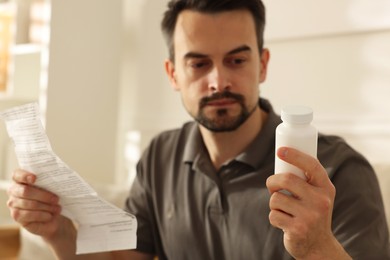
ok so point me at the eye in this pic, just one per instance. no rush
(235, 61)
(199, 64)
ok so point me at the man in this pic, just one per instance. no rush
(207, 190)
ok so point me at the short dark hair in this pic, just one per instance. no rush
(175, 7)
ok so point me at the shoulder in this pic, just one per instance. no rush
(167, 145)
(331, 144)
(359, 221)
(335, 153)
(171, 138)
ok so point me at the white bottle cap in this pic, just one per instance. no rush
(297, 114)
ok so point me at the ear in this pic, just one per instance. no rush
(171, 73)
(264, 59)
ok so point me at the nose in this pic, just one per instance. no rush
(219, 79)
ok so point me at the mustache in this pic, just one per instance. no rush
(220, 95)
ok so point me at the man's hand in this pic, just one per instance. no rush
(37, 210)
(306, 216)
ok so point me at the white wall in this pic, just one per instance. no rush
(83, 87)
(106, 78)
(304, 18)
(148, 102)
(334, 56)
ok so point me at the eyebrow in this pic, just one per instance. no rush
(240, 49)
(196, 55)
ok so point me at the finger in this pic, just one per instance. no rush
(289, 182)
(315, 173)
(32, 193)
(26, 217)
(285, 203)
(280, 219)
(21, 176)
(32, 205)
(292, 226)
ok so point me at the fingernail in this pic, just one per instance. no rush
(283, 152)
(30, 179)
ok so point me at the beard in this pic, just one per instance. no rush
(221, 121)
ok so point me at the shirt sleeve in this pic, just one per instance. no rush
(359, 221)
(139, 204)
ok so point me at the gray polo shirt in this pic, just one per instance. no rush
(188, 210)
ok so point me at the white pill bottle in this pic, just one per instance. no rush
(296, 132)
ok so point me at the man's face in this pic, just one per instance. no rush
(217, 67)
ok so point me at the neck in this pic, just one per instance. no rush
(225, 146)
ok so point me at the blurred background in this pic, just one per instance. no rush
(96, 69)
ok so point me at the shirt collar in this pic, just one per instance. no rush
(264, 143)
(195, 145)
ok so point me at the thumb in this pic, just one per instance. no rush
(21, 176)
